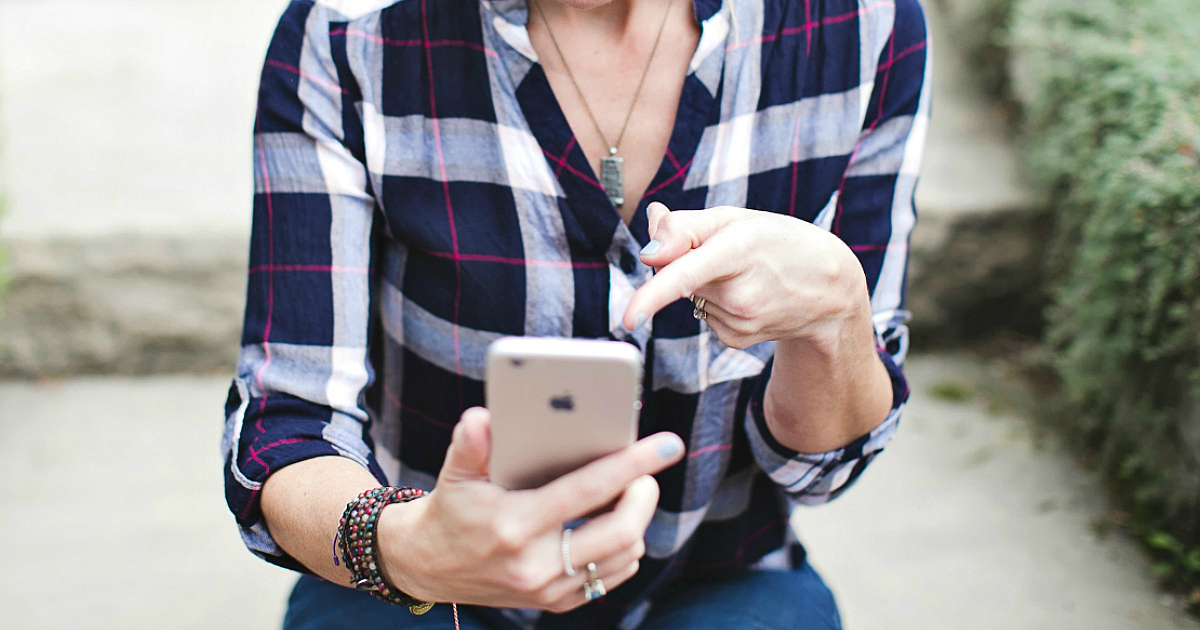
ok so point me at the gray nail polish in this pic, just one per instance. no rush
(651, 248)
(669, 449)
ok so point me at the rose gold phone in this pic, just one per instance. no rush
(558, 404)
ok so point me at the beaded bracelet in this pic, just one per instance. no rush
(356, 533)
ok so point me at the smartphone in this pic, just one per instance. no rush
(558, 404)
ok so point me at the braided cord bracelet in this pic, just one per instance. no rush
(356, 535)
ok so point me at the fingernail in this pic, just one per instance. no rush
(651, 248)
(669, 449)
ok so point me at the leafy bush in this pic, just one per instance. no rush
(1112, 108)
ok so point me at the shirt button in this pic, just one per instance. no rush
(628, 262)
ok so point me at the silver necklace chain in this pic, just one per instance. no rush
(612, 147)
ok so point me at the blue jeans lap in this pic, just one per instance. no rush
(755, 600)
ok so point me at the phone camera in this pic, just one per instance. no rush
(517, 362)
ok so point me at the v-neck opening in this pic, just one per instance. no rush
(570, 165)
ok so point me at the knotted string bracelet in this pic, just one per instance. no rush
(360, 551)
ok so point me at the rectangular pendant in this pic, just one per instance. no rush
(612, 178)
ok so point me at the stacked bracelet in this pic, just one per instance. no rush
(356, 534)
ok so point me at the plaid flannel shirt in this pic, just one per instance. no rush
(419, 193)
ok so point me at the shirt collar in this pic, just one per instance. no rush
(509, 18)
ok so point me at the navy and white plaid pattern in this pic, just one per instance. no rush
(419, 193)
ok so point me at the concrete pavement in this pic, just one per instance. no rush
(112, 517)
(968, 520)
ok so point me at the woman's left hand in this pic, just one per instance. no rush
(763, 276)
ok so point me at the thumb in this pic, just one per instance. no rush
(676, 233)
(654, 213)
(470, 448)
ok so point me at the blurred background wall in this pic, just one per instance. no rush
(126, 168)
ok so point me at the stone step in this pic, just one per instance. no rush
(128, 179)
(977, 251)
(126, 304)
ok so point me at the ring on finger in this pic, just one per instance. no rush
(593, 588)
(698, 311)
(566, 553)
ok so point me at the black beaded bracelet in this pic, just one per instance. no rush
(356, 535)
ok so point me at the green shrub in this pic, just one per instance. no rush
(1112, 108)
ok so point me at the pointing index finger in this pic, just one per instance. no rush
(677, 280)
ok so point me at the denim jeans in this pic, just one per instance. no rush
(756, 600)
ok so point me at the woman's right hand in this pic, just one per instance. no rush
(473, 542)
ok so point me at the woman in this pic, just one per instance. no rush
(427, 180)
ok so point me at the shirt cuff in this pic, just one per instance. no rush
(264, 436)
(813, 478)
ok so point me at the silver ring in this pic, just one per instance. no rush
(698, 312)
(593, 588)
(566, 553)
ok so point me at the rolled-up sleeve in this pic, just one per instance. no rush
(875, 215)
(303, 369)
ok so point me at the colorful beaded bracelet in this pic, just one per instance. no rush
(356, 534)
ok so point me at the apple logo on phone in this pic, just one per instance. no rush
(566, 402)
